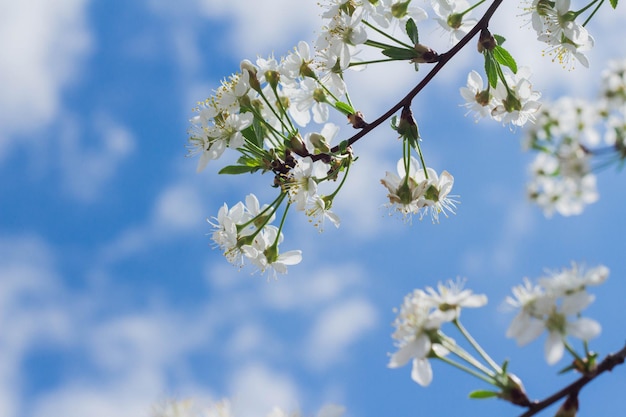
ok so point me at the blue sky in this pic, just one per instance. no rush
(111, 298)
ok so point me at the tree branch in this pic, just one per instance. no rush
(483, 23)
(611, 361)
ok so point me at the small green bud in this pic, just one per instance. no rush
(271, 254)
(319, 95)
(319, 143)
(512, 103)
(455, 20)
(399, 10)
(432, 193)
(404, 193)
(307, 71)
(272, 77)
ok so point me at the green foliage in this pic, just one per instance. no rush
(482, 394)
(411, 30)
(400, 54)
(238, 169)
(491, 69)
(504, 58)
(345, 108)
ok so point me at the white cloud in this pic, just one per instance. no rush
(88, 167)
(179, 207)
(309, 289)
(132, 357)
(30, 316)
(255, 389)
(266, 29)
(41, 46)
(337, 329)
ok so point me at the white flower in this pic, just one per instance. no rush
(555, 306)
(340, 37)
(555, 25)
(318, 211)
(478, 99)
(452, 21)
(225, 232)
(574, 279)
(302, 182)
(436, 194)
(450, 298)
(298, 63)
(415, 328)
(516, 103)
(405, 191)
(265, 255)
(308, 95)
(226, 133)
(419, 191)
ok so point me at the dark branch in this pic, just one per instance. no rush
(483, 23)
(611, 361)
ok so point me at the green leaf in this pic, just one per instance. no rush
(411, 30)
(504, 58)
(613, 3)
(259, 131)
(500, 39)
(400, 54)
(238, 169)
(345, 108)
(343, 147)
(248, 134)
(482, 394)
(394, 122)
(490, 69)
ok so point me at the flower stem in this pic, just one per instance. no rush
(385, 35)
(477, 346)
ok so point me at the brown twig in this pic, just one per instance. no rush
(483, 23)
(611, 361)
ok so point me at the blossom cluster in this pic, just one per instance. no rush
(260, 112)
(512, 100)
(572, 137)
(556, 25)
(244, 232)
(554, 305)
(418, 335)
(419, 191)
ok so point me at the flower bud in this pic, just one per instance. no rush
(356, 120)
(297, 146)
(400, 9)
(513, 391)
(247, 66)
(455, 20)
(272, 77)
(486, 41)
(424, 54)
(319, 143)
(570, 407)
